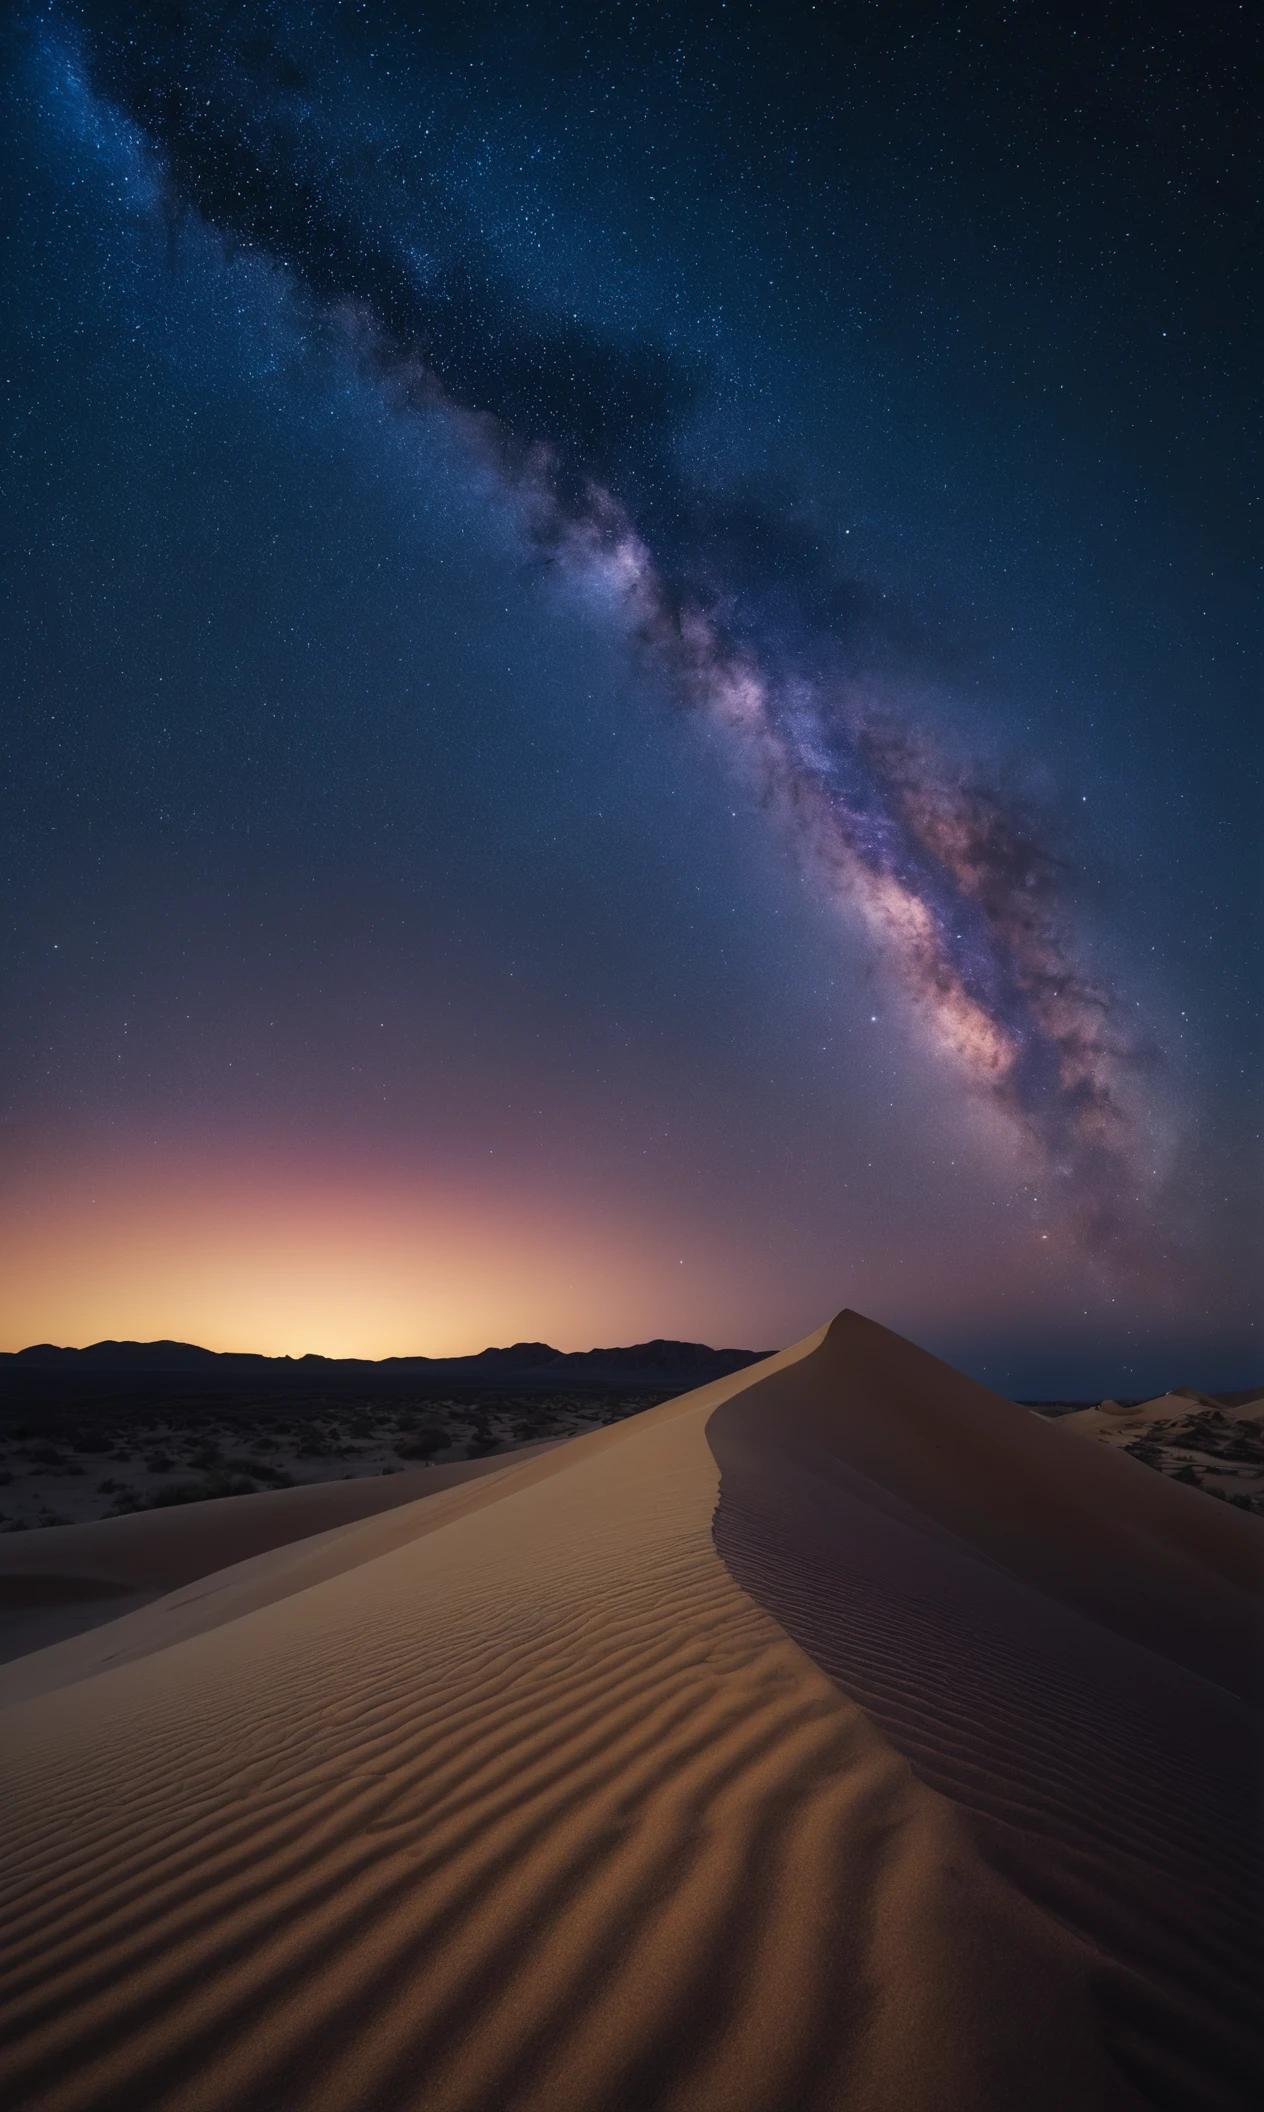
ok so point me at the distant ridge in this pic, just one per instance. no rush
(521, 1360)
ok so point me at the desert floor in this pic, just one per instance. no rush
(64, 1467)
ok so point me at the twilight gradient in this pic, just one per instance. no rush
(559, 795)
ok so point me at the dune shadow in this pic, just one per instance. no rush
(1118, 1789)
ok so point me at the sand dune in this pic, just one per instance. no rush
(1216, 1445)
(1114, 1416)
(835, 1736)
(62, 1580)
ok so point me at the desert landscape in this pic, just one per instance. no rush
(837, 1735)
(146, 1438)
(132, 1426)
(55, 1471)
(1214, 1442)
(627, 720)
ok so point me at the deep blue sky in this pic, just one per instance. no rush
(635, 629)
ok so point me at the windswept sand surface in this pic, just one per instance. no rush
(62, 1580)
(835, 1736)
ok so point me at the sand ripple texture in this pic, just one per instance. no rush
(811, 1741)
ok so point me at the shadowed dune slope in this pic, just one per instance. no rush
(1061, 1651)
(523, 1799)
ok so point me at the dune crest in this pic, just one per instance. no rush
(617, 1780)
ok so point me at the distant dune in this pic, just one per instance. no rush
(1214, 1442)
(837, 1735)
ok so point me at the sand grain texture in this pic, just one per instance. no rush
(716, 1761)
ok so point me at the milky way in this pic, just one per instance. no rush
(960, 888)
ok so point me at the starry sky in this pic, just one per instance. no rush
(631, 665)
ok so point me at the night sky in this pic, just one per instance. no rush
(631, 680)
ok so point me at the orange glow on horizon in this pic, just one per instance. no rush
(255, 1245)
(251, 1258)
